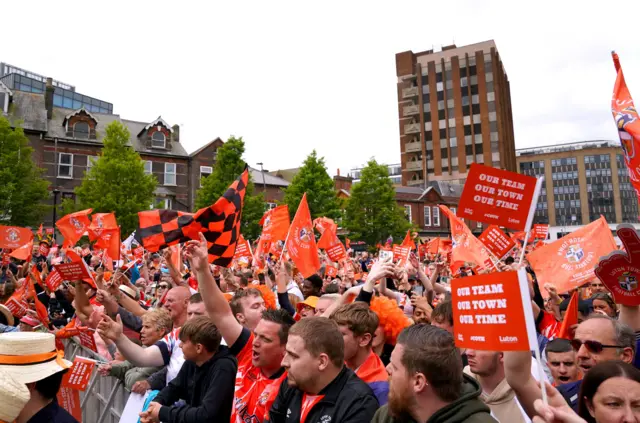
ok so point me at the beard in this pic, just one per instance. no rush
(401, 402)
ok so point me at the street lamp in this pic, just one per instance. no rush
(56, 191)
(264, 183)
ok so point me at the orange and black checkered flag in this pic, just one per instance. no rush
(220, 224)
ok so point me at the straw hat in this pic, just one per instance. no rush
(130, 292)
(7, 313)
(13, 397)
(30, 356)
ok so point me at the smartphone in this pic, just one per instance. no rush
(391, 285)
(385, 255)
(418, 289)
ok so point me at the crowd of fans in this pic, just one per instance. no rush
(373, 343)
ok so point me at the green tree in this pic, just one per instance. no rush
(372, 213)
(117, 181)
(229, 165)
(22, 187)
(316, 182)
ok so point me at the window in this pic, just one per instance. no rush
(158, 140)
(453, 210)
(427, 216)
(65, 165)
(163, 203)
(91, 160)
(407, 211)
(436, 216)
(3, 96)
(169, 173)
(271, 206)
(148, 166)
(81, 130)
(204, 172)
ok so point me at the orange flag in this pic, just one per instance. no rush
(324, 223)
(72, 255)
(261, 251)
(275, 224)
(408, 241)
(73, 226)
(41, 310)
(570, 317)
(465, 246)
(100, 222)
(328, 238)
(24, 252)
(570, 261)
(628, 122)
(40, 232)
(301, 243)
(347, 243)
(110, 241)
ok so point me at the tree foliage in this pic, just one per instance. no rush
(372, 213)
(22, 187)
(229, 165)
(117, 181)
(320, 188)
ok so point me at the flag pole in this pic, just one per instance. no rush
(524, 246)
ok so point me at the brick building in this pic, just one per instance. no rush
(454, 109)
(66, 141)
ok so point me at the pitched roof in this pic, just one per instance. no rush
(286, 174)
(447, 189)
(176, 149)
(77, 112)
(28, 108)
(199, 150)
(271, 180)
(156, 122)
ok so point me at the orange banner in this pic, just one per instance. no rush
(465, 247)
(14, 236)
(540, 231)
(401, 254)
(408, 241)
(498, 197)
(324, 223)
(493, 312)
(275, 224)
(497, 241)
(69, 399)
(570, 261)
(73, 226)
(79, 374)
(243, 249)
(100, 222)
(627, 121)
(301, 242)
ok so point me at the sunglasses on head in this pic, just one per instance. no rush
(591, 346)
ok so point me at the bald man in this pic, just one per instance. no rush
(167, 351)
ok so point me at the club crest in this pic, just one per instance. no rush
(628, 282)
(574, 254)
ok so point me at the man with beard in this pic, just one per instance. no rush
(488, 369)
(562, 362)
(427, 383)
(319, 388)
(259, 351)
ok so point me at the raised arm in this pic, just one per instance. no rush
(139, 356)
(215, 303)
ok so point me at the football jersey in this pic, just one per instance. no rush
(171, 353)
(255, 393)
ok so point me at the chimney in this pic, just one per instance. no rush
(338, 171)
(176, 133)
(48, 98)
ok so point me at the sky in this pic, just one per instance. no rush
(293, 76)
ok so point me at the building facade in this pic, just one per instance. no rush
(395, 173)
(67, 141)
(454, 109)
(583, 180)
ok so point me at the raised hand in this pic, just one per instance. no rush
(104, 369)
(108, 329)
(197, 254)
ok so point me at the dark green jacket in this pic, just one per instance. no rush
(466, 409)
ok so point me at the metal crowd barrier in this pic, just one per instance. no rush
(105, 397)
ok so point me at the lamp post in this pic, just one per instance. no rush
(264, 184)
(56, 191)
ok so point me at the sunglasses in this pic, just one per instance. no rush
(163, 286)
(591, 346)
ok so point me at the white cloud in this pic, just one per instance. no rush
(293, 76)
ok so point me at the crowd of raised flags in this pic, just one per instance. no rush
(309, 325)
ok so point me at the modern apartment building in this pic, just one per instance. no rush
(583, 180)
(454, 109)
(395, 173)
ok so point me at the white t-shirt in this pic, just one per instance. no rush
(171, 353)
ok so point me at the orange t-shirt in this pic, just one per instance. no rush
(255, 393)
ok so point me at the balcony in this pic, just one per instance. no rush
(82, 135)
(412, 110)
(417, 165)
(415, 182)
(412, 147)
(412, 128)
(409, 92)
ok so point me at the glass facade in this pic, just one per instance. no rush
(628, 196)
(61, 97)
(536, 168)
(566, 191)
(599, 187)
